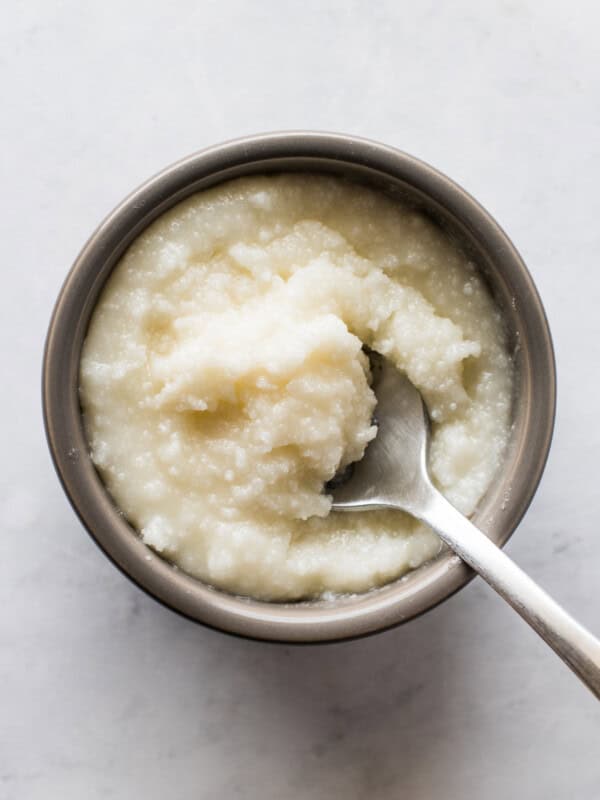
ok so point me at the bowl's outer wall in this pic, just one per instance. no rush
(398, 174)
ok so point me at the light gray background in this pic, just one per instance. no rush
(103, 693)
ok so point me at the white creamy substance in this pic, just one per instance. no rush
(223, 381)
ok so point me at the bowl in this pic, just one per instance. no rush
(399, 175)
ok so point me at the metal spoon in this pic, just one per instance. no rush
(393, 474)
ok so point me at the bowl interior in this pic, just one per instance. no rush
(400, 176)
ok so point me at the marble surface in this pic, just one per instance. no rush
(103, 693)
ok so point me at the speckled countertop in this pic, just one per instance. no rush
(105, 694)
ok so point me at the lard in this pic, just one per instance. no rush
(223, 380)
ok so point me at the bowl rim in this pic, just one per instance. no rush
(322, 621)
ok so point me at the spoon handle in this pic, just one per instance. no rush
(570, 640)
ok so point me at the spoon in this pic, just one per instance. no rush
(393, 474)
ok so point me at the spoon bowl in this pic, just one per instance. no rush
(393, 471)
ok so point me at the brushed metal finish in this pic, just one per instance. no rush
(401, 176)
(393, 474)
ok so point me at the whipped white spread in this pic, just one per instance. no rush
(223, 380)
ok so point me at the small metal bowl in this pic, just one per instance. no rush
(399, 175)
